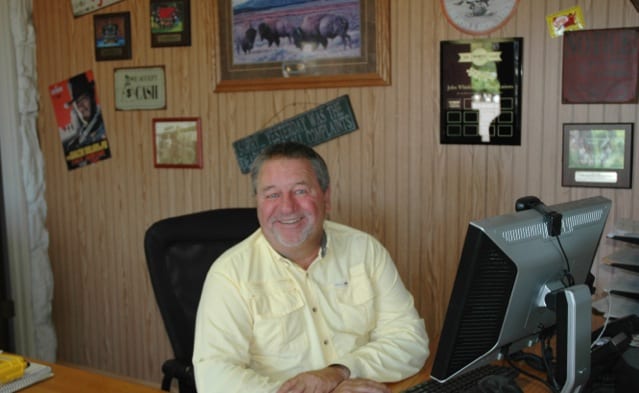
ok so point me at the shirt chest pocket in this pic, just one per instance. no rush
(278, 312)
(357, 303)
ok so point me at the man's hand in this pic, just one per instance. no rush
(360, 385)
(324, 380)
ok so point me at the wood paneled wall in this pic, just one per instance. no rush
(392, 177)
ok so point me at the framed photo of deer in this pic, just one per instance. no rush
(302, 44)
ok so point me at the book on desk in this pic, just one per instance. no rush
(33, 373)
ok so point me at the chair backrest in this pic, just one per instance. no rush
(179, 252)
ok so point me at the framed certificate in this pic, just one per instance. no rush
(597, 155)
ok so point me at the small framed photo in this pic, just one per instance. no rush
(112, 36)
(177, 142)
(597, 155)
(170, 23)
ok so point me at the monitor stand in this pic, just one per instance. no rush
(573, 307)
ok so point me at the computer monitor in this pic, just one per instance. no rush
(515, 282)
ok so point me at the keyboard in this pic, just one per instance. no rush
(462, 383)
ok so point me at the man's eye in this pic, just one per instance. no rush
(271, 196)
(301, 191)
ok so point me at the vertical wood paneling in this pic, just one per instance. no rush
(391, 177)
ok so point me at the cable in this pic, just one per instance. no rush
(567, 273)
(605, 325)
(529, 375)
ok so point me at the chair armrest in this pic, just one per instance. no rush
(182, 371)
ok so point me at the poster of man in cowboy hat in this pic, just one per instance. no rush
(79, 119)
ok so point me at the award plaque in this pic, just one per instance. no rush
(481, 91)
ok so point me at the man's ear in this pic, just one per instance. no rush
(327, 199)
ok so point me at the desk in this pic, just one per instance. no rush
(528, 385)
(74, 380)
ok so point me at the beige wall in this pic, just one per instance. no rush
(392, 177)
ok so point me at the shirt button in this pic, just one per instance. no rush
(314, 309)
(325, 342)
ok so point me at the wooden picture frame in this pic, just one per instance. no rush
(597, 155)
(177, 142)
(170, 23)
(280, 54)
(112, 36)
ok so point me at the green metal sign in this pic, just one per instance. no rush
(323, 123)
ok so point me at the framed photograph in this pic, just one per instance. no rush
(112, 36)
(139, 88)
(296, 44)
(597, 155)
(480, 91)
(170, 23)
(177, 142)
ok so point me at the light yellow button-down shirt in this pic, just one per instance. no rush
(262, 319)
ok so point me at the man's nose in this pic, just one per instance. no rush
(287, 202)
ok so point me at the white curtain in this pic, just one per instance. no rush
(30, 276)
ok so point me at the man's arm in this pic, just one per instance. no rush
(222, 337)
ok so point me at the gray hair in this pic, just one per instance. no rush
(292, 150)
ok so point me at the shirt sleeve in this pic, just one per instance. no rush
(222, 336)
(398, 346)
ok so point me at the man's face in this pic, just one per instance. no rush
(291, 207)
(83, 106)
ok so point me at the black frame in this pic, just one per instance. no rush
(160, 38)
(119, 50)
(592, 159)
(459, 119)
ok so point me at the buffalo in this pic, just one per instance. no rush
(273, 30)
(318, 29)
(244, 37)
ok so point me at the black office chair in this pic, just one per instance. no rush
(179, 252)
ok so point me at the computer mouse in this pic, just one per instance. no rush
(498, 384)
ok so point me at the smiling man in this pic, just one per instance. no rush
(304, 304)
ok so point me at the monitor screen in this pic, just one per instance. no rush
(508, 264)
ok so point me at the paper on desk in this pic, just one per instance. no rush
(626, 255)
(610, 277)
(625, 228)
(616, 306)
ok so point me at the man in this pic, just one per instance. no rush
(304, 304)
(86, 116)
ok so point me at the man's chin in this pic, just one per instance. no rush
(289, 243)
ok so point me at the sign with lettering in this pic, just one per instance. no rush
(139, 88)
(323, 123)
(81, 7)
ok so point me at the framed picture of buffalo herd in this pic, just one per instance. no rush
(308, 44)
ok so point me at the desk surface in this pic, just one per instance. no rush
(527, 384)
(74, 380)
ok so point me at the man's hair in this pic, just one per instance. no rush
(292, 150)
